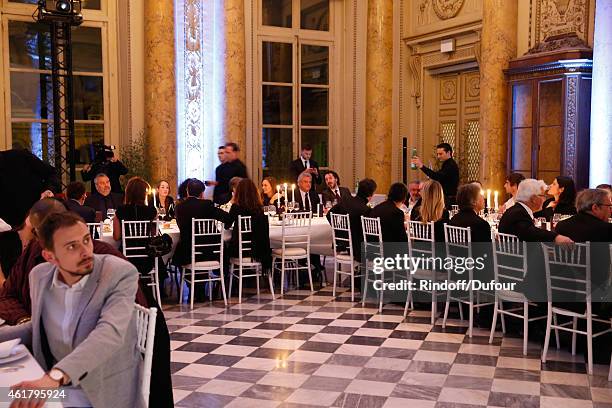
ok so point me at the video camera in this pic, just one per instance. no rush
(102, 153)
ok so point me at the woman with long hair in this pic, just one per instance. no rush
(563, 201)
(163, 199)
(247, 202)
(432, 208)
(268, 195)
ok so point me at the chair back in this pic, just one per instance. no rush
(341, 234)
(133, 234)
(568, 272)
(245, 237)
(296, 230)
(458, 243)
(206, 239)
(95, 229)
(421, 239)
(509, 258)
(372, 237)
(145, 329)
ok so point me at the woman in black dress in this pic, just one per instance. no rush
(163, 199)
(136, 209)
(269, 196)
(248, 203)
(11, 244)
(563, 202)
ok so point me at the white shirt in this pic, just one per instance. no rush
(529, 211)
(4, 226)
(509, 203)
(59, 306)
(306, 163)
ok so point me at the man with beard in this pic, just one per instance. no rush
(83, 328)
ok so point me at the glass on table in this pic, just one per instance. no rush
(291, 205)
(110, 213)
(161, 213)
(271, 211)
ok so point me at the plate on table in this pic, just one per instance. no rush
(17, 353)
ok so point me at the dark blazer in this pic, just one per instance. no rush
(187, 210)
(314, 200)
(223, 174)
(100, 203)
(259, 237)
(87, 213)
(391, 221)
(112, 169)
(330, 196)
(297, 167)
(584, 227)
(560, 208)
(23, 177)
(516, 221)
(448, 176)
(355, 207)
(480, 230)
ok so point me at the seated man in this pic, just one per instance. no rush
(333, 191)
(414, 196)
(83, 328)
(511, 186)
(75, 198)
(102, 199)
(391, 217)
(306, 197)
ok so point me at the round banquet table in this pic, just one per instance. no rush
(320, 236)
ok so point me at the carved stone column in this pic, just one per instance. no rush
(601, 97)
(498, 47)
(160, 91)
(379, 92)
(235, 74)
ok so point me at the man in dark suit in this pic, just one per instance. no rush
(75, 197)
(23, 177)
(355, 207)
(518, 220)
(306, 198)
(333, 191)
(102, 199)
(391, 217)
(591, 224)
(194, 206)
(228, 169)
(448, 175)
(471, 202)
(306, 163)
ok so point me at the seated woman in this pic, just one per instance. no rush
(268, 195)
(233, 184)
(432, 208)
(12, 243)
(135, 209)
(248, 203)
(563, 202)
(163, 199)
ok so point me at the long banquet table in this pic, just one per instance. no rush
(320, 236)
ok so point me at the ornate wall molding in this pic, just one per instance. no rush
(561, 17)
(446, 9)
(570, 123)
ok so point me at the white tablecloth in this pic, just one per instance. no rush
(320, 236)
(30, 371)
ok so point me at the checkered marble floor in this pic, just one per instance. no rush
(309, 349)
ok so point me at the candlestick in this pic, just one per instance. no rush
(496, 203)
(488, 198)
(278, 196)
(293, 193)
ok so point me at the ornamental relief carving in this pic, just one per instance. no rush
(561, 17)
(446, 9)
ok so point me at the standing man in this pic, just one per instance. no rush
(83, 327)
(230, 168)
(305, 163)
(333, 191)
(448, 175)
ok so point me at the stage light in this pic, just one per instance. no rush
(63, 6)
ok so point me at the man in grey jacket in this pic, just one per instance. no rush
(83, 328)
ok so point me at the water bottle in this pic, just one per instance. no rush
(412, 165)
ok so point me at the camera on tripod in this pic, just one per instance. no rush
(102, 153)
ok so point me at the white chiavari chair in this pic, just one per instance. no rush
(295, 247)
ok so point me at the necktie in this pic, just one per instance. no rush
(306, 164)
(337, 193)
(306, 202)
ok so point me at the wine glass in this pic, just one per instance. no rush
(110, 213)
(161, 213)
(271, 211)
(290, 206)
(266, 210)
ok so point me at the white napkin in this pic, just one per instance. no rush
(9, 347)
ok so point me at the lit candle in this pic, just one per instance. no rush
(286, 196)
(293, 193)
(154, 200)
(496, 203)
(147, 198)
(488, 198)
(278, 196)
